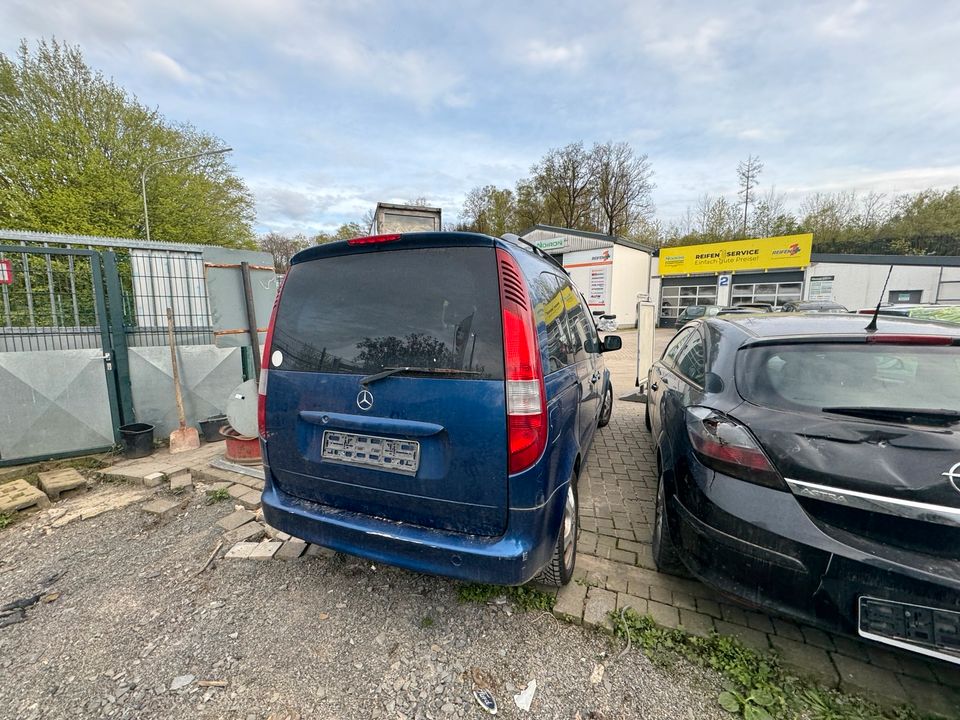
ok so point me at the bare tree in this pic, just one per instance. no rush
(748, 171)
(563, 178)
(282, 247)
(622, 187)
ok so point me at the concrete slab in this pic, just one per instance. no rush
(56, 482)
(18, 495)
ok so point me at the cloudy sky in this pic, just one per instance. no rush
(332, 106)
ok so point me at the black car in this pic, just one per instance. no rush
(811, 467)
(813, 306)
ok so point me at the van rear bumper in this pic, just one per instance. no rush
(510, 559)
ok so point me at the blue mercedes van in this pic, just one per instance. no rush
(427, 400)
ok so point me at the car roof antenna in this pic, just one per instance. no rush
(872, 327)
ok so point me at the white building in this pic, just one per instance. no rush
(610, 271)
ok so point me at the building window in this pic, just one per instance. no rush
(774, 293)
(674, 299)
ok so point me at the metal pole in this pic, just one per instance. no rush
(143, 189)
(251, 317)
(143, 178)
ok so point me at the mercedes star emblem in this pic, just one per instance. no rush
(365, 400)
(953, 475)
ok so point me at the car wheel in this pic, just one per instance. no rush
(559, 570)
(646, 415)
(665, 555)
(607, 410)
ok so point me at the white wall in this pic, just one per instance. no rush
(859, 285)
(631, 275)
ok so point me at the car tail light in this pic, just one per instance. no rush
(896, 339)
(728, 447)
(373, 239)
(527, 426)
(264, 372)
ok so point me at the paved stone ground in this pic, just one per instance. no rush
(615, 568)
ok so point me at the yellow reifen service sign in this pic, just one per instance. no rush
(785, 251)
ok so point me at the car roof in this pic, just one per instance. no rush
(792, 325)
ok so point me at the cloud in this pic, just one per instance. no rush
(541, 54)
(684, 48)
(167, 67)
(845, 23)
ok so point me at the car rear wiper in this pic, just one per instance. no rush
(387, 372)
(922, 416)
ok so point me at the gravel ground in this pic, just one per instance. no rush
(318, 638)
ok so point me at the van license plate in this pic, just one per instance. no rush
(390, 454)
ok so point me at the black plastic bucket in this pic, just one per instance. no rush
(137, 440)
(210, 428)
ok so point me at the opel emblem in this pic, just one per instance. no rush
(365, 402)
(953, 475)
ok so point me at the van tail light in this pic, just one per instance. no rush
(527, 425)
(264, 364)
(723, 444)
(373, 239)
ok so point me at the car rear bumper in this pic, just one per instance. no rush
(510, 559)
(760, 546)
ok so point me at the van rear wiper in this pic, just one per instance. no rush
(922, 416)
(387, 372)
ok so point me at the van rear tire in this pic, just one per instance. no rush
(559, 571)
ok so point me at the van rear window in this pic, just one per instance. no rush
(436, 308)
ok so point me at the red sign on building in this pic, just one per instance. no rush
(6, 272)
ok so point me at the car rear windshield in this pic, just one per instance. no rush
(436, 308)
(806, 376)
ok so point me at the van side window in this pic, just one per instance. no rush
(550, 312)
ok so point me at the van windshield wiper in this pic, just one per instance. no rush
(387, 372)
(923, 416)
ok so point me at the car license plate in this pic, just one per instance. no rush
(927, 630)
(390, 454)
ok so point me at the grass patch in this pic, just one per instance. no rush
(524, 597)
(5, 521)
(755, 686)
(218, 495)
(426, 622)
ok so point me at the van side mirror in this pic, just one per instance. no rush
(610, 343)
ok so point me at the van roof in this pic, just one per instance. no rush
(416, 240)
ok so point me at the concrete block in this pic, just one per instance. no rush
(570, 599)
(19, 495)
(160, 507)
(235, 519)
(154, 479)
(806, 660)
(696, 623)
(247, 532)
(748, 636)
(237, 490)
(56, 482)
(291, 550)
(181, 481)
(250, 500)
(265, 550)
(599, 604)
(869, 679)
(664, 614)
(240, 551)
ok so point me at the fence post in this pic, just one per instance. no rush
(118, 335)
